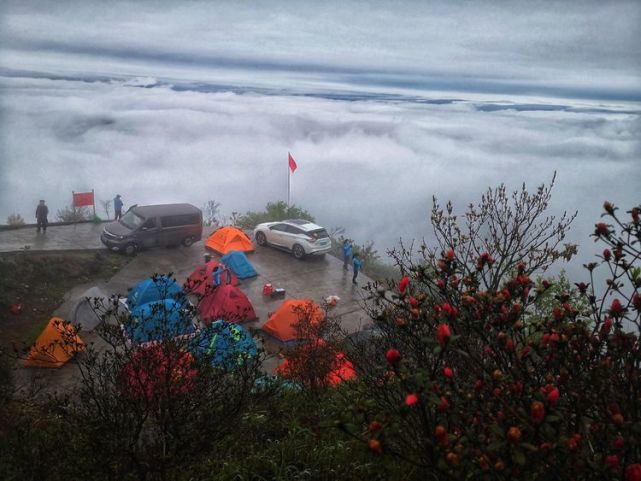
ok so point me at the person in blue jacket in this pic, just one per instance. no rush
(347, 253)
(117, 207)
(356, 265)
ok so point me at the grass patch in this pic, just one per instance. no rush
(39, 281)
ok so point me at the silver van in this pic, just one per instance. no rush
(143, 227)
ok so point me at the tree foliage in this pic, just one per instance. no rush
(274, 211)
(478, 384)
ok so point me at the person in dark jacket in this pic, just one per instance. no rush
(42, 211)
(357, 264)
(117, 207)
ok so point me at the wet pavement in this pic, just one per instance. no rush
(311, 278)
(57, 237)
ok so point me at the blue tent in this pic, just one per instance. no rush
(157, 321)
(227, 344)
(155, 289)
(237, 262)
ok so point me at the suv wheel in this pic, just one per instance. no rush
(130, 249)
(188, 241)
(261, 240)
(298, 251)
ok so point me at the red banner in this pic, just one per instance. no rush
(82, 198)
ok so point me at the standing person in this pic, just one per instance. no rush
(117, 207)
(42, 211)
(347, 253)
(356, 264)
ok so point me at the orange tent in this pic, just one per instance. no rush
(55, 345)
(229, 238)
(341, 370)
(282, 323)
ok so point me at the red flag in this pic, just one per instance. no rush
(82, 198)
(292, 162)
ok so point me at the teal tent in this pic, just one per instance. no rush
(237, 261)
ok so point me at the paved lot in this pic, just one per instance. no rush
(313, 278)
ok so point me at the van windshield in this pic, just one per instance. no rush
(131, 220)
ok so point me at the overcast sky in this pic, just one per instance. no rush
(383, 104)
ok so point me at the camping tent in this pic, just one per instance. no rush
(282, 323)
(57, 343)
(201, 280)
(156, 371)
(229, 238)
(84, 314)
(159, 320)
(237, 261)
(226, 302)
(341, 369)
(225, 344)
(155, 289)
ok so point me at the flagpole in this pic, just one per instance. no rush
(289, 174)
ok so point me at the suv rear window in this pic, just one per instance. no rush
(318, 234)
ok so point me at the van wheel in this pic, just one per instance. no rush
(298, 251)
(261, 240)
(188, 241)
(130, 249)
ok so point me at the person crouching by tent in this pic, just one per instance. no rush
(347, 253)
(42, 211)
(357, 264)
(221, 272)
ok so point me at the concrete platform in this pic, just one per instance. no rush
(311, 278)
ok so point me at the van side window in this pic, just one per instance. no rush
(150, 223)
(180, 220)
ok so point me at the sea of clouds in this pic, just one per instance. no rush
(369, 165)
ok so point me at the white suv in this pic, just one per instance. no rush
(299, 236)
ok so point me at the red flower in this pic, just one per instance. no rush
(485, 258)
(509, 344)
(393, 356)
(403, 284)
(444, 404)
(558, 314)
(635, 214)
(440, 283)
(443, 334)
(413, 302)
(450, 311)
(612, 460)
(450, 255)
(537, 411)
(514, 434)
(601, 229)
(374, 446)
(607, 254)
(619, 442)
(633, 472)
(553, 395)
(375, 426)
(411, 399)
(15, 309)
(636, 301)
(447, 372)
(607, 325)
(616, 309)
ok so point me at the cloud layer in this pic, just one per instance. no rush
(370, 166)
